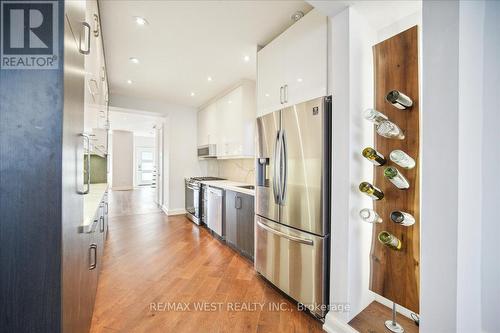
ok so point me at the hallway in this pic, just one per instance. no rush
(158, 271)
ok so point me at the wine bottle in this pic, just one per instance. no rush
(396, 178)
(402, 218)
(402, 159)
(374, 116)
(399, 100)
(370, 216)
(374, 156)
(388, 129)
(371, 191)
(389, 240)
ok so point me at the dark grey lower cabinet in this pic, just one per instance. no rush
(239, 222)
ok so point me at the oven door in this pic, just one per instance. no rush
(192, 202)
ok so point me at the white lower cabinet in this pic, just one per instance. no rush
(229, 122)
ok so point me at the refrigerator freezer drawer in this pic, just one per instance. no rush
(293, 261)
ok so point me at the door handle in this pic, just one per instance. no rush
(284, 167)
(92, 258)
(281, 94)
(285, 235)
(276, 180)
(285, 95)
(88, 29)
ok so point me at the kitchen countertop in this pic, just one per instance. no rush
(229, 185)
(91, 203)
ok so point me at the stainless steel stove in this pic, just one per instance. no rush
(195, 200)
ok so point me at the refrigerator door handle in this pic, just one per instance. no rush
(284, 167)
(285, 235)
(276, 169)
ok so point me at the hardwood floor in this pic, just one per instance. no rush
(152, 261)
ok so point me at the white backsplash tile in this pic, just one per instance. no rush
(238, 170)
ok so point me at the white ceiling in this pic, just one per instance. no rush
(185, 42)
(378, 13)
(140, 124)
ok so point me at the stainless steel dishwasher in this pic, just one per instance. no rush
(214, 210)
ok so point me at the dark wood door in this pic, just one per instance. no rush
(245, 218)
(231, 218)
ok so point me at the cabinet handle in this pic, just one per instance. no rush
(101, 224)
(107, 208)
(281, 95)
(92, 258)
(86, 181)
(96, 22)
(88, 29)
(286, 93)
(237, 202)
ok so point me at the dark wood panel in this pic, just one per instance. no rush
(395, 274)
(373, 317)
(31, 121)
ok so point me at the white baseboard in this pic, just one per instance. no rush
(164, 209)
(122, 188)
(171, 212)
(334, 325)
(179, 211)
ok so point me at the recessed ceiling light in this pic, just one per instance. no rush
(299, 79)
(140, 20)
(246, 58)
(192, 94)
(133, 60)
(129, 81)
(229, 102)
(209, 79)
(267, 95)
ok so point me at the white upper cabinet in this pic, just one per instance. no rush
(270, 78)
(293, 67)
(207, 125)
(229, 122)
(96, 84)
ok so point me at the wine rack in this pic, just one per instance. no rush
(394, 273)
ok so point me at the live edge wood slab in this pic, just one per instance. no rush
(395, 274)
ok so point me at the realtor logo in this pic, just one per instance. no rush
(29, 37)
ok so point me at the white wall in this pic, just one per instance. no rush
(490, 286)
(352, 87)
(180, 144)
(122, 175)
(460, 290)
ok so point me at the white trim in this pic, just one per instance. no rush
(122, 188)
(334, 325)
(172, 212)
(179, 211)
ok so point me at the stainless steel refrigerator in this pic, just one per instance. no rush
(293, 201)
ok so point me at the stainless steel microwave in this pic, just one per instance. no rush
(207, 151)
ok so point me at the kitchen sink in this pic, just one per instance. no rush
(248, 187)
